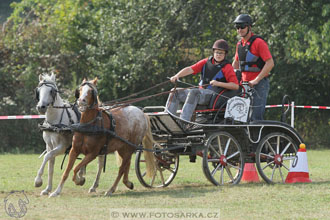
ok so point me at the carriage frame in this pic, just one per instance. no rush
(224, 144)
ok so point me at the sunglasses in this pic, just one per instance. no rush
(241, 26)
(219, 52)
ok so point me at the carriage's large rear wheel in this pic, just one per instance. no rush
(223, 159)
(167, 165)
(275, 152)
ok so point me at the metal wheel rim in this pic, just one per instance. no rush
(274, 155)
(223, 159)
(163, 176)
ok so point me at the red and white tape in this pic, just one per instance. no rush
(299, 106)
(21, 117)
(267, 106)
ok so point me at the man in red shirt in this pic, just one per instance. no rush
(255, 61)
(217, 76)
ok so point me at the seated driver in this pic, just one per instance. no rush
(217, 77)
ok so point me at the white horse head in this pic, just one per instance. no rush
(46, 92)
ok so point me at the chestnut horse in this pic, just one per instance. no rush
(131, 124)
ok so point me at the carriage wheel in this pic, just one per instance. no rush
(275, 152)
(223, 159)
(167, 165)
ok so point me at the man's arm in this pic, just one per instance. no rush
(235, 64)
(184, 72)
(269, 64)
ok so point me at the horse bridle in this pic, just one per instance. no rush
(94, 93)
(53, 91)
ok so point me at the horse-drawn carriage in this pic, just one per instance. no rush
(226, 140)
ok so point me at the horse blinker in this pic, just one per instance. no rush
(77, 93)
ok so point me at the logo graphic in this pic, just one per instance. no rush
(15, 204)
(237, 109)
(295, 161)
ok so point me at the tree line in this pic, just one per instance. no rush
(133, 45)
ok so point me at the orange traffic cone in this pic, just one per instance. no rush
(299, 169)
(250, 173)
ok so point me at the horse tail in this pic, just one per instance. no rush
(148, 142)
(119, 160)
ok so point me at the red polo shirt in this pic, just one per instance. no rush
(259, 48)
(227, 70)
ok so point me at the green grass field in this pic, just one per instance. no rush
(189, 190)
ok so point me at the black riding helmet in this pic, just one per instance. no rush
(243, 19)
(221, 45)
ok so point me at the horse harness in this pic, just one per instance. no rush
(53, 92)
(47, 126)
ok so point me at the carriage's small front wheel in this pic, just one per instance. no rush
(167, 165)
(223, 159)
(275, 153)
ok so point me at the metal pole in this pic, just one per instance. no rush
(292, 114)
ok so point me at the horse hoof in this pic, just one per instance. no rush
(91, 190)
(108, 194)
(130, 186)
(54, 194)
(81, 182)
(38, 183)
(44, 193)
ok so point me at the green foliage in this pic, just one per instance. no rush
(133, 45)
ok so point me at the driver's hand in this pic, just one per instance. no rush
(174, 79)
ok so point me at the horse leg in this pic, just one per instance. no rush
(72, 158)
(88, 158)
(120, 173)
(99, 171)
(127, 183)
(82, 173)
(38, 179)
(50, 177)
(50, 155)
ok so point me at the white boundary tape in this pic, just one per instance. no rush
(267, 106)
(299, 106)
(22, 117)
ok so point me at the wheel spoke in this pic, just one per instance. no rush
(267, 155)
(219, 144)
(214, 150)
(279, 169)
(235, 167)
(229, 173)
(227, 146)
(162, 176)
(221, 176)
(233, 155)
(213, 160)
(278, 144)
(268, 164)
(215, 169)
(273, 172)
(285, 167)
(285, 149)
(270, 146)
